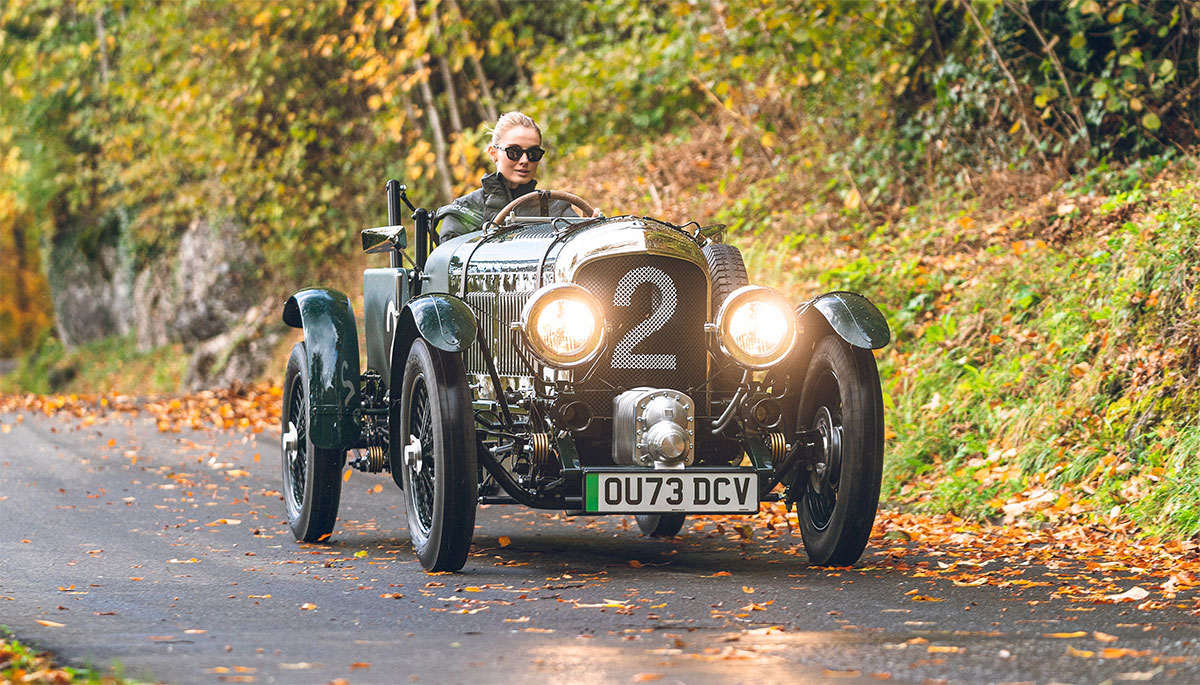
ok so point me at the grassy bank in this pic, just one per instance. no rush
(20, 663)
(109, 365)
(1046, 340)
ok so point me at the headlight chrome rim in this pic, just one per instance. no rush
(544, 299)
(726, 319)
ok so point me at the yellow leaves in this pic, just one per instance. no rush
(1082, 653)
(504, 541)
(747, 589)
(1077, 633)
(308, 606)
(1020, 247)
(346, 475)
(852, 200)
(376, 489)
(50, 624)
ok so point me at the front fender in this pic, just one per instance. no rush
(851, 316)
(441, 319)
(331, 344)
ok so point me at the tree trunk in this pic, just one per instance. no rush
(435, 119)
(456, 124)
(485, 90)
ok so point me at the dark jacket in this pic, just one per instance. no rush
(471, 211)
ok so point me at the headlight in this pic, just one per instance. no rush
(756, 327)
(564, 325)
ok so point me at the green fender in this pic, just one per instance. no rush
(851, 316)
(441, 319)
(331, 341)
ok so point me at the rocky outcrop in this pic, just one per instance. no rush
(199, 294)
(90, 300)
(237, 354)
(204, 296)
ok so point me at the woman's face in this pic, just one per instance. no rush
(521, 171)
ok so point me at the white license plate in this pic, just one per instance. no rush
(652, 492)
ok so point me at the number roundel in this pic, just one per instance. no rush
(662, 309)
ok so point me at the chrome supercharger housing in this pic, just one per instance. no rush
(653, 427)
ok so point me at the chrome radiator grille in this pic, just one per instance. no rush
(495, 312)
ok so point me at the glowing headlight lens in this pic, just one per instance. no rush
(563, 324)
(757, 327)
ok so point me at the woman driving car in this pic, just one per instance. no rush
(516, 149)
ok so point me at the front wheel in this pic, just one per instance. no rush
(842, 400)
(661, 525)
(312, 483)
(438, 462)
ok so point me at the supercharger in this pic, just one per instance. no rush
(653, 427)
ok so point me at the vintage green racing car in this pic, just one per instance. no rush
(594, 365)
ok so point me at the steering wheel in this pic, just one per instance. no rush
(575, 200)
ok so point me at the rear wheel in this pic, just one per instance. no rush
(312, 483)
(439, 468)
(661, 525)
(842, 400)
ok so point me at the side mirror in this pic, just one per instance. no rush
(384, 239)
(713, 233)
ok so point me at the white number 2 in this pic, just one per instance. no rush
(662, 309)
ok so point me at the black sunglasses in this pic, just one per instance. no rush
(514, 152)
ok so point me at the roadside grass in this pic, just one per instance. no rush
(21, 664)
(1045, 353)
(108, 365)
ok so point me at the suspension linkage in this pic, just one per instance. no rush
(806, 449)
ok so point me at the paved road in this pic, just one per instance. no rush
(166, 554)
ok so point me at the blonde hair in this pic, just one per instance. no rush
(507, 122)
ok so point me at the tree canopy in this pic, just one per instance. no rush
(124, 120)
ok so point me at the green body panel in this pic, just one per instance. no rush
(385, 291)
(331, 342)
(851, 316)
(442, 320)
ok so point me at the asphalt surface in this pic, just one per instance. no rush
(166, 557)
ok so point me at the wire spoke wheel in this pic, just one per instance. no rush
(312, 483)
(437, 432)
(424, 467)
(842, 401)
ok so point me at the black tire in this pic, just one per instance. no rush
(726, 269)
(661, 525)
(842, 398)
(728, 273)
(441, 480)
(312, 476)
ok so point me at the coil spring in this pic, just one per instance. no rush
(777, 444)
(540, 448)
